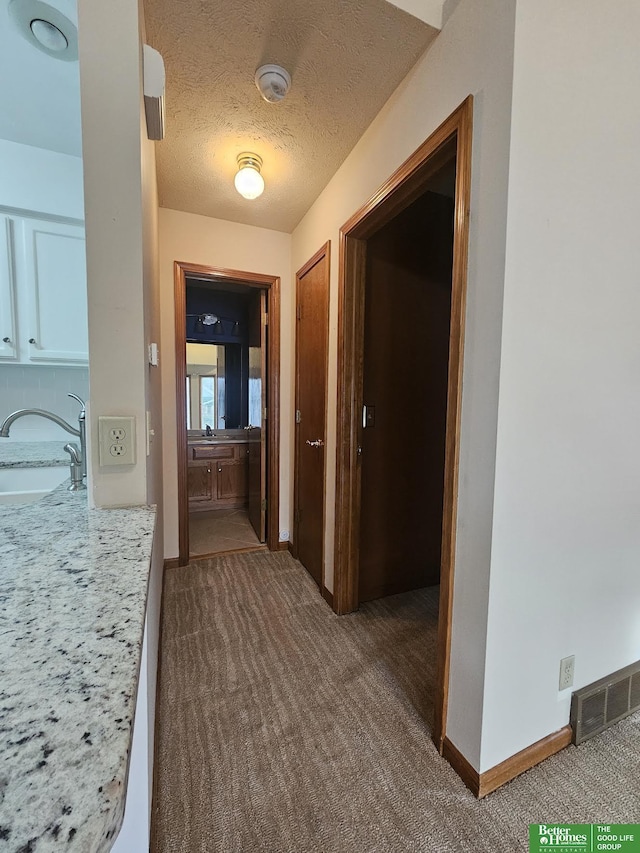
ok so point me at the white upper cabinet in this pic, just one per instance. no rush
(8, 327)
(49, 291)
(55, 281)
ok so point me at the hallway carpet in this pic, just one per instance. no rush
(286, 729)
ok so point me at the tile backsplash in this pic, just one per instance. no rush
(41, 387)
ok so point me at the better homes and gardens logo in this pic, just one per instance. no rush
(584, 837)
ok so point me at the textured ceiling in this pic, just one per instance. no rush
(345, 58)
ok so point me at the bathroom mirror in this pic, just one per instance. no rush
(217, 386)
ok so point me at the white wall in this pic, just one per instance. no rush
(133, 836)
(153, 402)
(39, 181)
(123, 295)
(429, 11)
(214, 242)
(41, 387)
(110, 92)
(566, 542)
(473, 54)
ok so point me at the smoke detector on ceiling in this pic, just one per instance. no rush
(273, 82)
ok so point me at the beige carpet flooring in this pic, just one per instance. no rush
(220, 530)
(286, 729)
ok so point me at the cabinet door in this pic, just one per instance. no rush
(54, 275)
(232, 480)
(8, 330)
(200, 480)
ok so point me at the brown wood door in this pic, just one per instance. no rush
(405, 369)
(312, 329)
(257, 430)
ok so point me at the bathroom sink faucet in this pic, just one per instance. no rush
(78, 457)
(208, 431)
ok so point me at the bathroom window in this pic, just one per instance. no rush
(188, 413)
(207, 401)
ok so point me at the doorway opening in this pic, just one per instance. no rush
(227, 410)
(402, 284)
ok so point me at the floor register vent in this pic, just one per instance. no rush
(599, 705)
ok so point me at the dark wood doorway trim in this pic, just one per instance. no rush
(322, 253)
(272, 285)
(453, 137)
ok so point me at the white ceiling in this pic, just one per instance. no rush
(345, 58)
(39, 95)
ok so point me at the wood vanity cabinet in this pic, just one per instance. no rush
(217, 476)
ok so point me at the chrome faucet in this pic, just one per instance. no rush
(78, 457)
(76, 468)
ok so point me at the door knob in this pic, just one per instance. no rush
(317, 443)
(6, 340)
(32, 340)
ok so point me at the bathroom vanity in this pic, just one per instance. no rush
(218, 472)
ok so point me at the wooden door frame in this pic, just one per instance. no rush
(323, 252)
(272, 285)
(402, 188)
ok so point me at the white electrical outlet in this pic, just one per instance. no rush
(117, 437)
(567, 667)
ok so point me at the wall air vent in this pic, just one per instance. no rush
(599, 705)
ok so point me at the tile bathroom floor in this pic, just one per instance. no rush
(220, 530)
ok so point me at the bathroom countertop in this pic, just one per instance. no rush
(33, 454)
(215, 442)
(73, 587)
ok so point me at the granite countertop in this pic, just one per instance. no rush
(33, 454)
(73, 586)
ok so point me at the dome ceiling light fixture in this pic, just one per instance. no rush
(49, 35)
(248, 180)
(46, 28)
(273, 82)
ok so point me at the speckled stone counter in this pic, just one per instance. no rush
(33, 454)
(73, 586)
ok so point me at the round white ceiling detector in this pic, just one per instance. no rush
(45, 28)
(273, 82)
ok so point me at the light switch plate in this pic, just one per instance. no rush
(117, 438)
